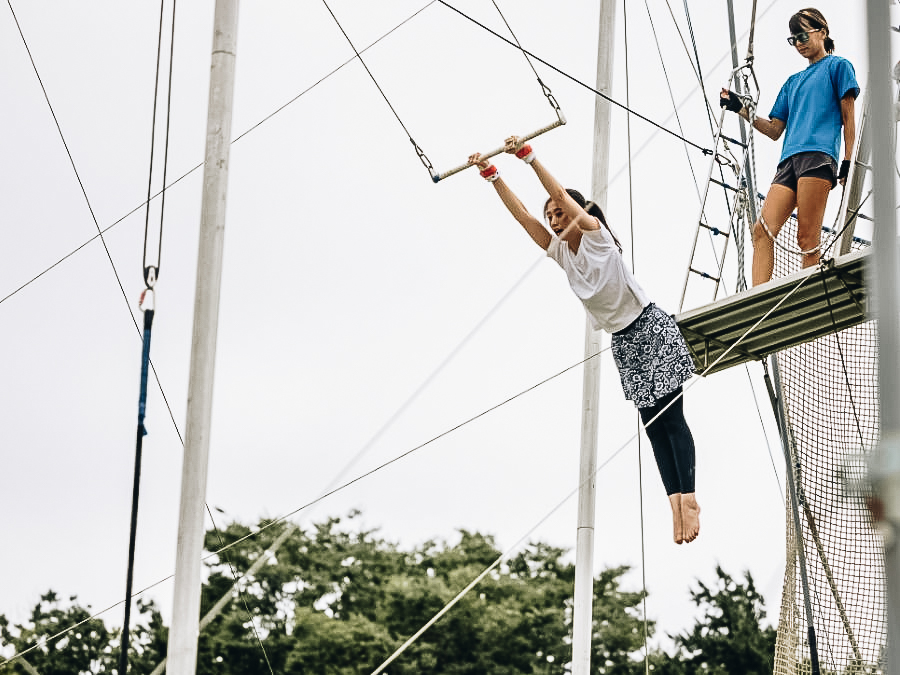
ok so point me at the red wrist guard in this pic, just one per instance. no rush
(490, 173)
(525, 153)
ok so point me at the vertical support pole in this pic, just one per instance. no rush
(182, 649)
(884, 280)
(584, 548)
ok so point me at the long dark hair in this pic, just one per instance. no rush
(813, 18)
(592, 209)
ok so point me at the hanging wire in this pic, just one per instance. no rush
(419, 152)
(705, 151)
(544, 87)
(749, 58)
(634, 270)
(662, 63)
(151, 271)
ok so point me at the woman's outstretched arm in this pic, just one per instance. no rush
(513, 204)
(579, 217)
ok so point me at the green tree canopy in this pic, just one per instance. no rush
(89, 648)
(335, 599)
(338, 601)
(729, 637)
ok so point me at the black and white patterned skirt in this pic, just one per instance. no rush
(652, 357)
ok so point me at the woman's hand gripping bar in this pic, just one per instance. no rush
(523, 139)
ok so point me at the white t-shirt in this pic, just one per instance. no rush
(600, 279)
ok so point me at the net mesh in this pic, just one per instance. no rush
(830, 391)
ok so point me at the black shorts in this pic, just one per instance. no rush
(806, 165)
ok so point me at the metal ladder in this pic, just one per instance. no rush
(739, 195)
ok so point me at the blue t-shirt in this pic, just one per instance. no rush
(809, 104)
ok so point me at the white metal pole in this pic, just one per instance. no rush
(584, 548)
(884, 281)
(182, 649)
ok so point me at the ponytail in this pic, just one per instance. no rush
(592, 209)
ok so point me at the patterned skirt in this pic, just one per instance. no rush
(652, 357)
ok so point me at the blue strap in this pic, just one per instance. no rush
(145, 367)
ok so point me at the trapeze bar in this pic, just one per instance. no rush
(829, 299)
(561, 120)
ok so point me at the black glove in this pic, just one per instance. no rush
(845, 170)
(732, 103)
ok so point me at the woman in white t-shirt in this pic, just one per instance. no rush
(649, 350)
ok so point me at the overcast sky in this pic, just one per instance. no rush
(350, 278)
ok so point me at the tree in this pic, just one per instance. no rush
(729, 637)
(618, 630)
(89, 647)
(83, 650)
(339, 602)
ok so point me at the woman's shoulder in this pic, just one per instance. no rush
(839, 63)
(601, 237)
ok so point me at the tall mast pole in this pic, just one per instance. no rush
(182, 650)
(584, 548)
(884, 280)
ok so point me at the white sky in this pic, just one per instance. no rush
(349, 278)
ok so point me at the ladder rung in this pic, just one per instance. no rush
(704, 274)
(724, 185)
(734, 140)
(715, 230)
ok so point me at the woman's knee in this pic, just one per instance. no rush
(809, 236)
(760, 236)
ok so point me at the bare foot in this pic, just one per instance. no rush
(690, 515)
(677, 518)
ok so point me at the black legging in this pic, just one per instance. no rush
(673, 445)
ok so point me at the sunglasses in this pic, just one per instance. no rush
(802, 37)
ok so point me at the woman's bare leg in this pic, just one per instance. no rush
(779, 203)
(812, 195)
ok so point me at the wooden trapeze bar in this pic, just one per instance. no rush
(560, 121)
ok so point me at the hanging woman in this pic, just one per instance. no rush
(649, 351)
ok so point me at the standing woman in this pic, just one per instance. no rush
(649, 351)
(811, 108)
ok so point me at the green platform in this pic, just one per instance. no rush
(829, 300)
